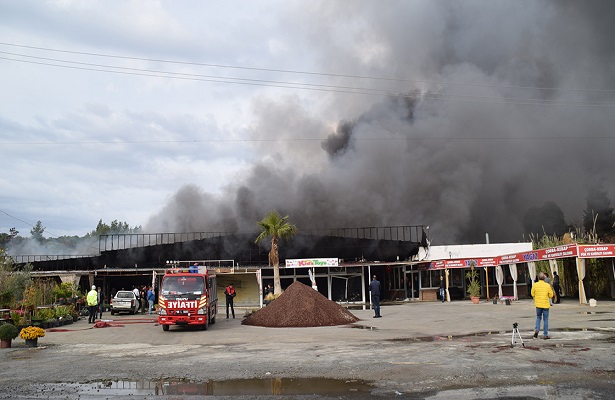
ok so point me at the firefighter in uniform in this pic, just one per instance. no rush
(230, 295)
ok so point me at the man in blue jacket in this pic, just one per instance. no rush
(151, 296)
(374, 290)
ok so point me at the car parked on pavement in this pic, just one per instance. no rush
(124, 301)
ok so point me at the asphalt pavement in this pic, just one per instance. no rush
(416, 350)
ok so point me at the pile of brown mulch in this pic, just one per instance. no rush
(298, 307)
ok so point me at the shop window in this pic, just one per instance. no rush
(430, 279)
(396, 278)
(455, 277)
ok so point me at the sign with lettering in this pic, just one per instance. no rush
(567, 250)
(312, 262)
(465, 263)
(596, 250)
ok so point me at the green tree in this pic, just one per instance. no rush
(37, 232)
(115, 227)
(276, 227)
(12, 282)
(5, 238)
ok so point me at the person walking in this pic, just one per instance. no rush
(556, 288)
(92, 300)
(101, 297)
(542, 293)
(374, 290)
(230, 295)
(151, 296)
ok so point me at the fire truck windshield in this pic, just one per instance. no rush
(183, 285)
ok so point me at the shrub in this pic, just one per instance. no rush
(8, 332)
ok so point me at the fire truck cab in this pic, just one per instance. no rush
(187, 298)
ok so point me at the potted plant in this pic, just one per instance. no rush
(8, 332)
(31, 334)
(64, 314)
(18, 319)
(75, 315)
(473, 285)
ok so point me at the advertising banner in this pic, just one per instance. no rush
(465, 263)
(596, 250)
(567, 250)
(312, 262)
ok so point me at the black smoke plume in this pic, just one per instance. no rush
(499, 107)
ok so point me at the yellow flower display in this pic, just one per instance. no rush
(31, 332)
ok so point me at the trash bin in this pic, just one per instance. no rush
(495, 300)
(507, 302)
(592, 302)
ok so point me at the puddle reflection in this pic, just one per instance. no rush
(232, 387)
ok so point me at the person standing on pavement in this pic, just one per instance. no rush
(542, 293)
(92, 300)
(137, 293)
(556, 288)
(548, 282)
(230, 295)
(442, 289)
(150, 299)
(143, 299)
(101, 297)
(374, 290)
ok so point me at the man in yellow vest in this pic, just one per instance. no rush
(542, 293)
(92, 300)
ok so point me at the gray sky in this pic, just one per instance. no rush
(203, 116)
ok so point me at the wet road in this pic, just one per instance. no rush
(417, 350)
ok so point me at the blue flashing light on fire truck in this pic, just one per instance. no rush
(187, 299)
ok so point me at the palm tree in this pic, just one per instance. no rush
(276, 227)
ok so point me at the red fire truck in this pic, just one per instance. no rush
(187, 298)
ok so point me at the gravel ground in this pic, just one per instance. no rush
(417, 350)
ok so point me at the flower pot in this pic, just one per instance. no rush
(32, 342)
(5, 343)
(475, 300)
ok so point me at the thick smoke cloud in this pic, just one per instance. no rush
(466, 148)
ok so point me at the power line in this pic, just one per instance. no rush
(25, 222)
(377, 78)
(213, 78)
(295, 85)
(329, 88)
(364, 139)
(47, 232)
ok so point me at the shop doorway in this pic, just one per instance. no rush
(412, 284)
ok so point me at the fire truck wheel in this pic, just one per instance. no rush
(165, 327)
(213, 320)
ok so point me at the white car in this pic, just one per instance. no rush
(124, 301)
